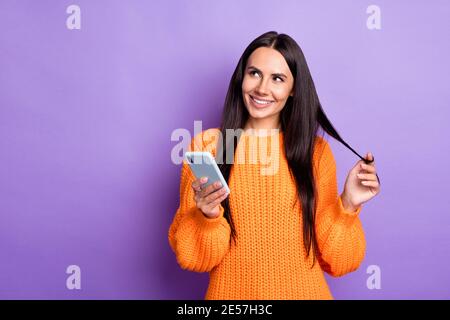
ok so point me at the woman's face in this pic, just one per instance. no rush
(267, 84)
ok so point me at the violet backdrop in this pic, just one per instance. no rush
(86, 117)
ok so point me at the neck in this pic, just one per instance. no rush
(261, 131)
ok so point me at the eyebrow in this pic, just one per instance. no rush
(274, 74)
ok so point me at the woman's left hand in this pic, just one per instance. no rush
(361, 184)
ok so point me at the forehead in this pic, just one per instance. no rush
(269, 60)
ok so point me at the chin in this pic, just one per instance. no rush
(260, 115)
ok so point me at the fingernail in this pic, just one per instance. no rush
(204, 179)
(218, 184)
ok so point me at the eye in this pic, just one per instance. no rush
(253, 72)
(279, 78)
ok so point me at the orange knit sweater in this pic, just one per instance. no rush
(268, 261)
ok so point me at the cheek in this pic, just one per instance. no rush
(248, 84)
(281, 93)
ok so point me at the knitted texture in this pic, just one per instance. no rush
(269, 260)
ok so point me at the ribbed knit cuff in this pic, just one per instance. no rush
(347, 217)
(205, 221)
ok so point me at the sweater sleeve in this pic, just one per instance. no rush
(199, 243)
(339, 233)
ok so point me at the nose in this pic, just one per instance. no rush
(262, 88)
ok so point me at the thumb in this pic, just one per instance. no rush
(369, 156)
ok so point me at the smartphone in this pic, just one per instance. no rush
(203, 164)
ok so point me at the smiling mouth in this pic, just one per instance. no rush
(261, 103)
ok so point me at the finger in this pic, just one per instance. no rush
(201, 185)
(368, 168)
(218, 200)
(196, 185)
(209, 189)
(368, 176)
(370, 183)
(369, 156)
(215, 195)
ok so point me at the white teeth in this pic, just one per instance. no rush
(261, 101)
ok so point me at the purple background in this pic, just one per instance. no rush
(86, 118)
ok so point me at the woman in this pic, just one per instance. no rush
(260, 242)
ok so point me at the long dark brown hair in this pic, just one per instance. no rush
(301, 118)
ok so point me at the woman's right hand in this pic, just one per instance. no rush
(209, 198)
